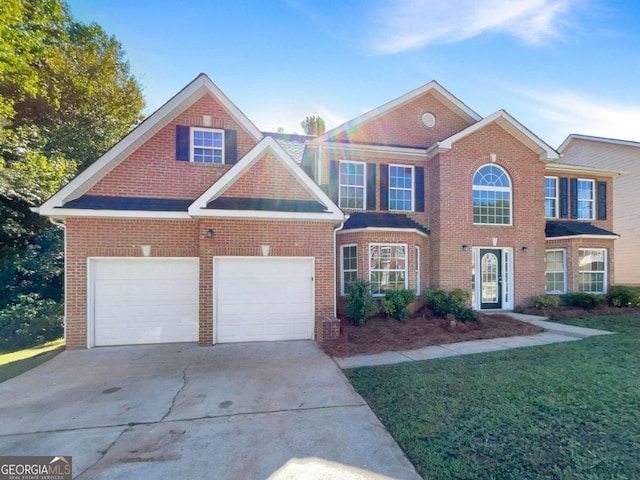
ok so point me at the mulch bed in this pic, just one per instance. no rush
(382, 334)
(564, 312)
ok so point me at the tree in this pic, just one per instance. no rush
(66, 96)
(313, 125)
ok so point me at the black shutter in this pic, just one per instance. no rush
(564, 198)
(334, 173)
(573, 193)
(230, 147)
(182, 142)
(371, 186)
(602, 200)
(419, 189)
(384, 187)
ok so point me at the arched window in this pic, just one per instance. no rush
(491, 196)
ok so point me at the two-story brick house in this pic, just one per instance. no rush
(199, 227)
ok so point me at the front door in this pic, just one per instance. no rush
(490, 278)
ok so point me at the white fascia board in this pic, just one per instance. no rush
(382, 229)
(569, 168)
(267, 215)
(597, 237)
(589, 138)
(199, 206)
(546, 153)
(113, 156)
(441, 93)
(379, 150)
(82, 212)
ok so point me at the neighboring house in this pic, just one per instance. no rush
(609, 153)
(199, 227)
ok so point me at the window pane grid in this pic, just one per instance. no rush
(592, 266)
(550, 197)
(349, 265)
(388, 268)
(491, 196)
(400, 188)
(351, 185)
(207, 146)
(554, 271)
(585, 199)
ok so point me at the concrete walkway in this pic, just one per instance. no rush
(553, 333)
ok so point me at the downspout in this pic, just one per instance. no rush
(61, 223)
(335, 263)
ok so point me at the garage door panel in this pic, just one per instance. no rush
(138, 301)
(263, 299)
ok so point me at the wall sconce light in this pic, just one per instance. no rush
(210, 233)
(525, 249)
(465, 248)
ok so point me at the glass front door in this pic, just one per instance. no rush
(490, 278)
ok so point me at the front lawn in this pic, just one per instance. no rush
(15, 363)
(561, 411)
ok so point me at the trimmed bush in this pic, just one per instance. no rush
(623, 296)
(583, 300)
(454, 302)
(546, 301)
(394, 303)
(361, 304)
(30, 321)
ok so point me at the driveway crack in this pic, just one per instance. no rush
(175, 397)
(104, 453)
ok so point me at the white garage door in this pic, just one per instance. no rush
(263, 299)
(144, 300)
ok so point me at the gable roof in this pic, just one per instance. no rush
(614, 141)
(291, 143)
(201, 85)
(208, 206)
(432, 87)
(508, 123)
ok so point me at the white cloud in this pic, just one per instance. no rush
(569, 112)
(403, 25)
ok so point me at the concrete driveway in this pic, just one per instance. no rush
(182, 411)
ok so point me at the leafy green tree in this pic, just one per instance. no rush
(313, 125)
(66, 95)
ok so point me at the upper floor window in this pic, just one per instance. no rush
(585, 199)
(207, 145)
(401, 188)
(352, 185)
(491, 196)
(551, 197)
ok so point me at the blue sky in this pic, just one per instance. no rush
(558, 66)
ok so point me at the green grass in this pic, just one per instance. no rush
(562, 411)
(15, 363)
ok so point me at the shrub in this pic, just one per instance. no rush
(546, 301)
(443, 302)
(395, 303)
(30, 321)
(583, 300)
(623, 296)
(361, 304)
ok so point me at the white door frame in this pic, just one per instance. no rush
(507, 275)
(214, 296)
(91, 286)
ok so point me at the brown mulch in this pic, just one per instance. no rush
(564, 312)
(381, 334)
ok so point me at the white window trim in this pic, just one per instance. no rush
(495, 189)
(364, 184)
(556, 198)
(342, 270)
(593, 199)
(413, 187)
(564, 270)
(192, 145)
(417, 269)
(406, 262)
(606, 268)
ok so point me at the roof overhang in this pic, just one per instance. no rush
(383, 229)
(589, 138)
(571, 237)
(580, 169)
(382, 151)
(502, 118)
